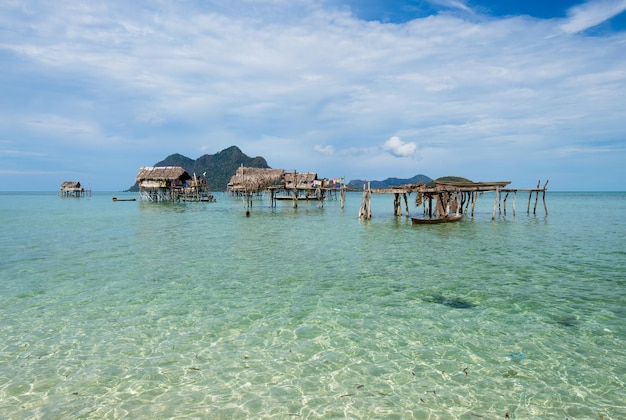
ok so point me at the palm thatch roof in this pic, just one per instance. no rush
(162, 173)
(255, 179)
(70, 185)
(297, 179)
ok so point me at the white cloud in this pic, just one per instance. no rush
(325, 150)
(305, 86)
(398, 148)
(592, 13)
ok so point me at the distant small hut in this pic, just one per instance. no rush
(171, 183)
(72, 189)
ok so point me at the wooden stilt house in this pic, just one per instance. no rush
(281, 185)
(72, 189)
(171, 183)
(254, 180)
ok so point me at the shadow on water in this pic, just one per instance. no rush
(567, 321)
(453, 302)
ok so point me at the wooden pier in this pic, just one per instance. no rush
(448, 197)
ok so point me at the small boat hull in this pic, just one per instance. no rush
(446, 219)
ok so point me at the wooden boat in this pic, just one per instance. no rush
(123, 199)
(444, 219)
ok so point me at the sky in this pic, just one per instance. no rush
(489, 90)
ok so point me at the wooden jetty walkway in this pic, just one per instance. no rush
(447, 197)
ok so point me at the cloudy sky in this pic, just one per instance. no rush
(488, 89)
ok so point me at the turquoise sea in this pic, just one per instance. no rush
(143, 310)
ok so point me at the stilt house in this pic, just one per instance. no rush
(171, 183)
(72, 189)
(254, 180)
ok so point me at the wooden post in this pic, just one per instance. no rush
(406, 203)
(545, 186)
(474, 197)
(536, 197)
(397, 208)
(495, 203)
(504, 202)
(514, 199)
(365, 211)
(342, 195)
(440, 209)
(430, 205)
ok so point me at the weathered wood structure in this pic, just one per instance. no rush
(171, 183)
(73, 189)
(280, 185)
(446, 197)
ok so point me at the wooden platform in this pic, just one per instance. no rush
(447, 197)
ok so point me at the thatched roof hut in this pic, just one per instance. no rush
(255, 179)
(161, 176)
(72, 189)
(299, 179)
(71, 186)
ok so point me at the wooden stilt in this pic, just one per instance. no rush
(514, 199)
(342, 195)
(474, 197)
(545, 207)
(536, 197)
(504, 202)
(406, 203)
(365, 211)
(396, 203)
(495, 204)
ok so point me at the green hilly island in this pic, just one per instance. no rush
(220, 167)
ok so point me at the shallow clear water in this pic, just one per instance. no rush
(192, 310)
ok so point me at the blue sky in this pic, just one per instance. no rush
(489, 90)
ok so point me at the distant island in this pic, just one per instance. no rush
(217, 170)
(390, 182)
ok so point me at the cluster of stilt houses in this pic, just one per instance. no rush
(278, 184)
(439, 200)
